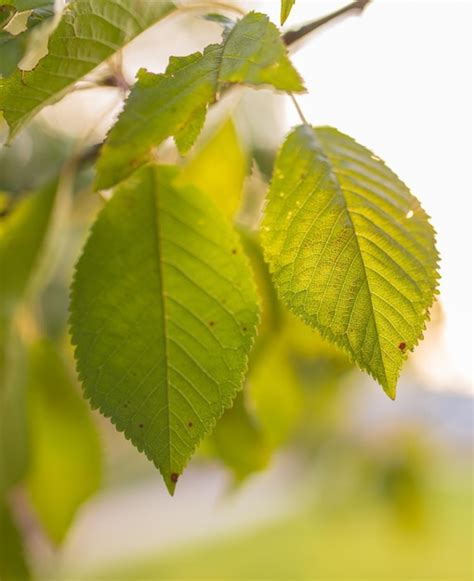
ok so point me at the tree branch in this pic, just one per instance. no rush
(293, 36)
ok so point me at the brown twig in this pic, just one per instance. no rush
(293, 36)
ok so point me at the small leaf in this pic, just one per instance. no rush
(175, 103)
(90, 31)
(13, 565)
(65, 456)
(286, 6)
(350, 248)
(254, 53)
(219, 169)
(163, 316)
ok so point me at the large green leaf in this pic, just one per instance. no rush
(175, 103)
(65, 456)
(286, 6)
(163, 316)
(89, 32)
(13, 566)
(351, 250)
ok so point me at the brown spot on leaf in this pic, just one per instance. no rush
(174, 477)
(140, 425)
(244, 329)
(190, 424)
(211, 323)
(234, 250)
(402, 346)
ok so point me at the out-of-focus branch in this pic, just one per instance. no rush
(293, 36)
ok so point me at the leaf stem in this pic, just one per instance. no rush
(298, 108)
(293, 36)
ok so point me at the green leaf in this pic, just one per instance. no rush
(89, 32)
(14, 444)
(223, 151)
(24, 237)
(12, 49)
(275, 393)
(350, 248)
(286, 6)
(6, 14)
(65, 456)
(175, 103)
(13, 566)
(239, 442)
(163, 316)
(23, 5)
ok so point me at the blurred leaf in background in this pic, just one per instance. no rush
(239, 442)
(65, 465)
(13, 566)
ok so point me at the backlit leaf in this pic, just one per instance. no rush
(350, 248)
(65, 457)
(175, 103)
(219, 169)
(163, 316)
(286, 6)
(90, 31)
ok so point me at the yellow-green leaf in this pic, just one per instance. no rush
(65, 456)
(286, 6)
(219, 169)
(351, 250)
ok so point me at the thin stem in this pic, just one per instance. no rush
(211, 5)
(293, 36)
(298, 108)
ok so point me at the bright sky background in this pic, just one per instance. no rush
(399, 80)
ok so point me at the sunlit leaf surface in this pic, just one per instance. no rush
(351, 250)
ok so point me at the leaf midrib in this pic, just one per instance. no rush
(159, 251)
(341, 192)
